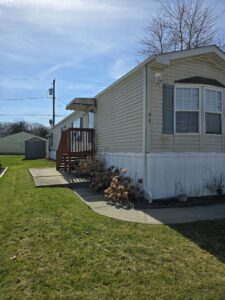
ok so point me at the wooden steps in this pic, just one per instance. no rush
(76, 144)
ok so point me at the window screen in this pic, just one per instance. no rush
(187, 110)
(213, 111)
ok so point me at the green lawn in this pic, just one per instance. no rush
(52, 246)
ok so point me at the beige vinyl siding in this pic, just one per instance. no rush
(66, 123)
(182, 142)
(119, 115)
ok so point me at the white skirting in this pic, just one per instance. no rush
(170, 174)
(132, 161)
(52, 155)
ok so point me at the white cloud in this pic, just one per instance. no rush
(80, 86)
(120, 67)
(14, 84)
(73, 41)
(55, 68)
(78, 5)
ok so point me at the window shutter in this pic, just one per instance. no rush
(168, 107)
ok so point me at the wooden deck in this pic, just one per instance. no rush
(75, 144)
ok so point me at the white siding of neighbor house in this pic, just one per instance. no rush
(15, 143)
(160, 142)
(64, 124)
(119, 115)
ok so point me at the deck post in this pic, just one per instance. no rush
(69, 167)
(64, 158)
(69, 152)
(75, 143)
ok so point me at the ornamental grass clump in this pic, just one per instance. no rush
(118, 187)
(84, 168)
(100, 178)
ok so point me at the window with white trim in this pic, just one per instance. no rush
(91, 120)
(187, 107)
(213, 111)
(78, 123)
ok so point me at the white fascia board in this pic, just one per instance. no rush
(63, 120)
(166, 58)
(138, 67)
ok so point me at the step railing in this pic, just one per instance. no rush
(63, 148)
(75, 142)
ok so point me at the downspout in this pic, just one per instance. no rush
(148, 194)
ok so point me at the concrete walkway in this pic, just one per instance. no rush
(97, 203)
(50, 177)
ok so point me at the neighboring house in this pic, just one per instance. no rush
(15, 143)
(165, 121)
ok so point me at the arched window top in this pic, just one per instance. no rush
(200, 80)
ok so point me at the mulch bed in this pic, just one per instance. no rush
(174, 202)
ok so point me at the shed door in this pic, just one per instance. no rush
(35, 150)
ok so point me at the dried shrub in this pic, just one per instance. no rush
(122, 190)
(118, 187)
(100, 178)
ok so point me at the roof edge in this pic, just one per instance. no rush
(64, 119)
(165, 58)
(139, 66)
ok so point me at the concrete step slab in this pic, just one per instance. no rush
(50, 177)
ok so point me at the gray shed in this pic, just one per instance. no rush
(35, 148)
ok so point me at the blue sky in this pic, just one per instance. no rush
(84, 44)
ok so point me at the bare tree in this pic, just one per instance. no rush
(180, 25)
(11, 128)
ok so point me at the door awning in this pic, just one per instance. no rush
(82, 104)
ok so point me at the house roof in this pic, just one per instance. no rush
(63, 120)
(200, 80)
(212, 52)
(23, 135)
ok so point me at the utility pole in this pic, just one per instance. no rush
(53, 102)
(51, 92)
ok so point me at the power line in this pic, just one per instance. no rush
(31, 115)
(21, 99)
(30, 98)
(61, 101)
(8, 79)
